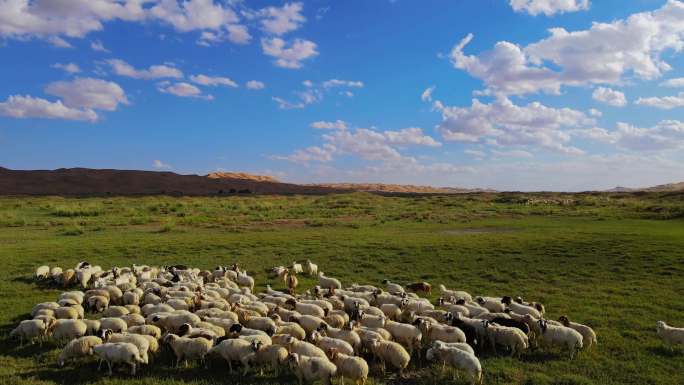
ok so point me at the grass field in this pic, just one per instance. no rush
(613, 261)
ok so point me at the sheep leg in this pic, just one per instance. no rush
(230, 366)
(109, 365)
(133, 369)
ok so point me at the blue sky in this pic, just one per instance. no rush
(506, 94)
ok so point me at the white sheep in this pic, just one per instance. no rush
(520, 308)
(138, 340)
(30, 330)
(56, 273)
(149, 330)
(117, 325)
(457, 345)
(80, 347)
(393, 288)
(440, 332)
(457, 294)
(327, 343)
(68, 329)
(513, 338)
(188, 348)
(297, 268)
(348, 366)
(236, 350)
(457, 358)
(346, 334)
(392, 353)
(245, 280)
(373, 321)
(120, 352)
(671, 335)
(270, 356)
(328, 282)
(559, 335)
(312, 368)
(133, 319)
(44, 305)
(42, 272)
(310, 323)
(588, 334)
(408, 335)
(311, 268)
(494, 305)
(303, 348)
(306, 308)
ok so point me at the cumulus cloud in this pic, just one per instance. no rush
(281, 20)
(595, 113)
(71, 68)
(609, 96)
(666, 135)
(122, 68)
(88, 93)
(213, 81)
(663, 103)
(549, 7)
(315, 92)
(477, 154)
(289, 56)
(18, 106)
(504, 123)
(323, 125)
(369, 145)
(674, 82)
(182, 89)
(53, 19)
(255, 85)
(512, 154)
(603, 54)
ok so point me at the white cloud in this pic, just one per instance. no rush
(71, 68)
(342, 83)
(287, 105)
(595, 113)
(213, 81)
(336, 125)
(235, 33)
(192, 15)
(477, 154)
(364, 143)
(289, 57)
(503, 123)
(255, 85)
(602, 54)
(309, 154)
(609, 96)
(675, 82)
(97, 45)
(410, 136)
(18, 106)
(58, 42)
(52, 18)
(549, 7)
(279, 21)
(158, 164)
(122, 68)
(88, 93)
(666, 135)
(512, 154)
(663, 103)
(426, 96)
(55, 19)
(183, 89)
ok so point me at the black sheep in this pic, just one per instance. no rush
(512, 323)
(468, 330)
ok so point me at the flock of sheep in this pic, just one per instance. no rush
(328, 331)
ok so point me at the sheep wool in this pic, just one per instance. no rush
(121, 352)
(671, 335)
(80, 347)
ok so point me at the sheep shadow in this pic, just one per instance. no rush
(666, 352)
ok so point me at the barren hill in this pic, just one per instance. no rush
(669, 187)
(242, 175)
(84, 181)
(396, 188)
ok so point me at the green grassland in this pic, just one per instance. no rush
(613, 261)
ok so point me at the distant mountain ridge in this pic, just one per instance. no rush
(668, 187)
(398, 188)
(242, 175)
